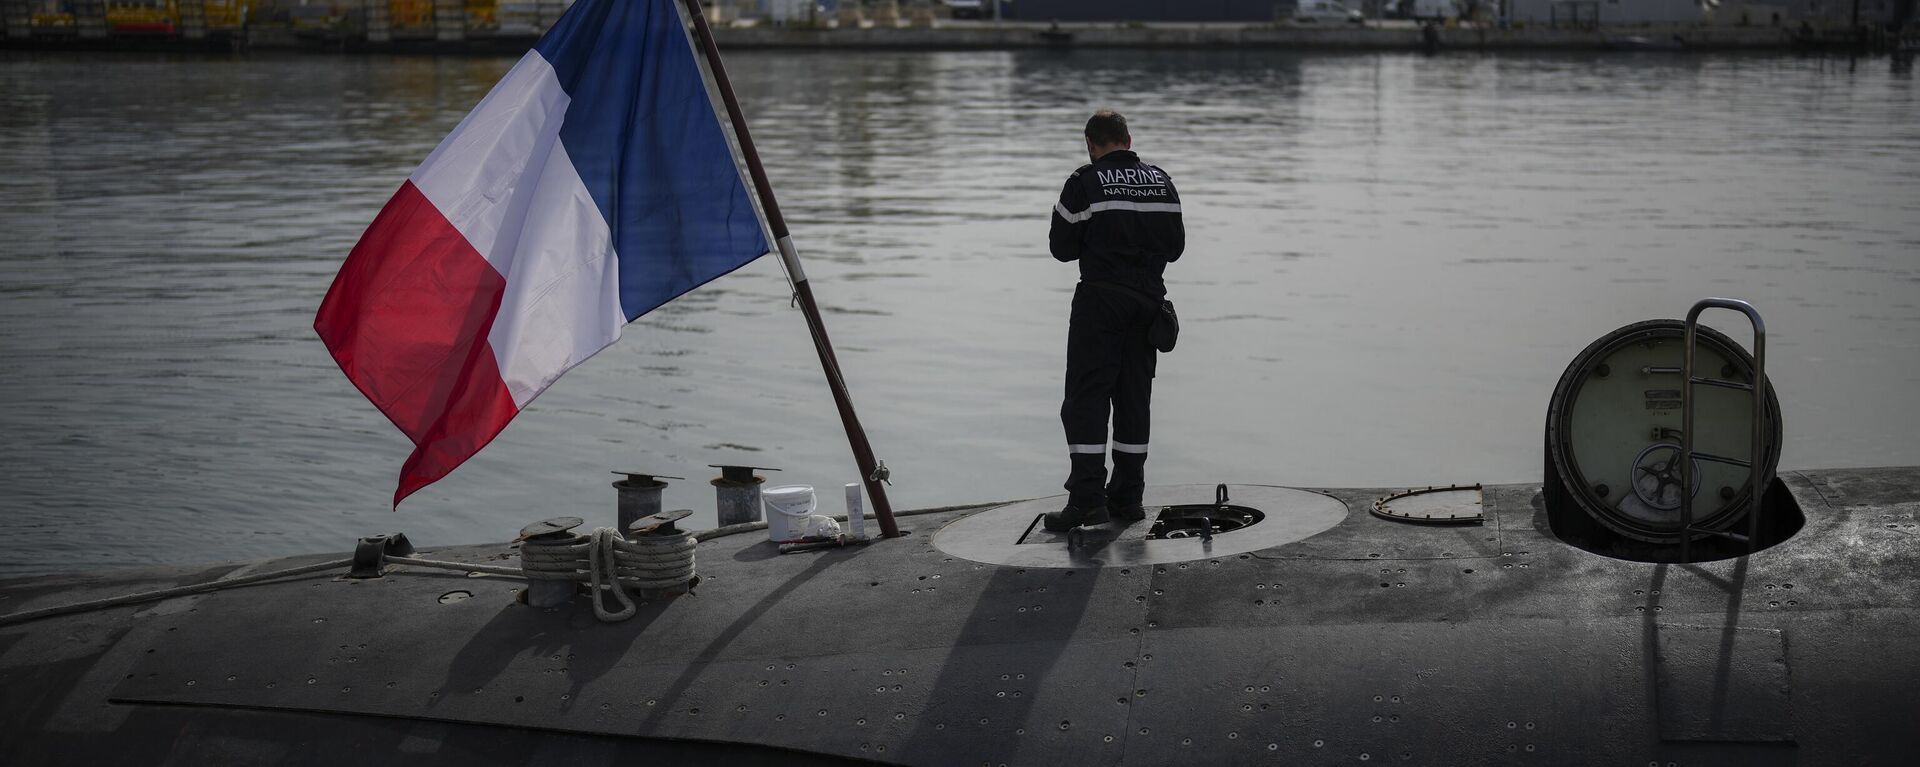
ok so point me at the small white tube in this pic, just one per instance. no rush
(856, 514)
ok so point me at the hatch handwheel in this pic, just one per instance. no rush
(1656, 476)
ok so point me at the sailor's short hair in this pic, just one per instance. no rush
(1107, 128)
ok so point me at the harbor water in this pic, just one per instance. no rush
(1391, 258)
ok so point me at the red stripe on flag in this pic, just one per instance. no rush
(407, 320)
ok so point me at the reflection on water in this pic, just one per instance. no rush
(1391, 260)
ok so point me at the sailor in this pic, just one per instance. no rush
(1120, 218)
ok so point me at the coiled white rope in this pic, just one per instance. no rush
(608, 562)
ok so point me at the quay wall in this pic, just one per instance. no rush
(1262, 36)
(448, 35)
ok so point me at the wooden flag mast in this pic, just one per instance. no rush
(871, 472)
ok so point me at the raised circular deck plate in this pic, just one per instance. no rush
(995, 536)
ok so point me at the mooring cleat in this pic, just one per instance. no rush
(1073, 516)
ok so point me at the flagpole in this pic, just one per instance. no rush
(870, 471)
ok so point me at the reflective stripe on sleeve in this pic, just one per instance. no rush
(1138, 207)
(1123, 447)
(1094, 449)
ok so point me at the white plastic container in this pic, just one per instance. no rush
(788, 507)
(856, 513)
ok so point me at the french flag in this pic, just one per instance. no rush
(591, 185)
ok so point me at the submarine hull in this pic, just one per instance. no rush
(1369, 640)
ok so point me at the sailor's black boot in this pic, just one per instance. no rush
(1129, 483)
(1073, 516)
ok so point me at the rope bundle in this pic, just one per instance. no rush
(612, 564)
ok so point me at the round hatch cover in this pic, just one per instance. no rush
(1613, 432)
(1450, 505)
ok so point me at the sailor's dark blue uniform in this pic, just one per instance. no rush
(1120, 218)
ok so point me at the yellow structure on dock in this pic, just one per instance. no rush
(192, 19)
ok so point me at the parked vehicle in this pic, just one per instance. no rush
(1325, 11)
(970, 9)
(1433, 10)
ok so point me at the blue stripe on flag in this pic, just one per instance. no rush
(644, 137)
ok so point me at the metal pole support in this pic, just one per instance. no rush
(873, 471)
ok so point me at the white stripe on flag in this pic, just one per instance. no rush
(1141, 207)
(1094, 449)
(504, 180)
(1124, 447)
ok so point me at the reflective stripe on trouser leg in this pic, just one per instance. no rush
(1093, 371)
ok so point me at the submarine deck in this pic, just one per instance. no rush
(1369, 640)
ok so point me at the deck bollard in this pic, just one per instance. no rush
(736, 493)
(638, 496)
(543, 592)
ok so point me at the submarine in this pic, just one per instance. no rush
(1664, 596)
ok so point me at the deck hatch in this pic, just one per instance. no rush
(1723, 684)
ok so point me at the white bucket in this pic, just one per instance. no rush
(788, 506)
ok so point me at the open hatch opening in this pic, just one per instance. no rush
(1190, 520)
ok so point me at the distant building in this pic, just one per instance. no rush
(1607, 11)
(1156, 10)
(1725, 12)
(1871, 11)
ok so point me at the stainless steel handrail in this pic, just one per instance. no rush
(1757, 469)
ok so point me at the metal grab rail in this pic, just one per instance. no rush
(1757, 464)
